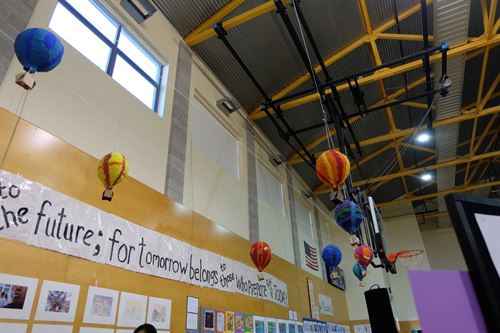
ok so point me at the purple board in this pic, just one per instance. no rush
(446, 302)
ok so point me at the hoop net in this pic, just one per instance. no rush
(407, 258)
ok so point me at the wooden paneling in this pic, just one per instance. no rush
(39, 156)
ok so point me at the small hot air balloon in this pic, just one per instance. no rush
(349, 217)
(38, 50)
(332, 256)
(112, 169)
(333, 167)
(360, 272)
(260, 252)
(363, 255)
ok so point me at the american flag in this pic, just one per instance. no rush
(311, 257)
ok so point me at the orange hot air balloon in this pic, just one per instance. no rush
(333, 167)
(260, 252)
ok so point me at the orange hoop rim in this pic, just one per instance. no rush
(406, 254)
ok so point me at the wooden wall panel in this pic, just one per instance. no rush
(39, 156)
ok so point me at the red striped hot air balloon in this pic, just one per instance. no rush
(260, 252)
(111, 170)
(333, 167)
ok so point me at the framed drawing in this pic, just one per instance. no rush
(132, 310)
(229, 321)
(16, 296)
(159, 310)
(239, 322)
(259, 324)
(101, 306)
(57, 302)
(248, 322)
(208, 319)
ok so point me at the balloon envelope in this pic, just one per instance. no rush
(38, 50)
(333, 167)
(363, 255)
(260, 252)
(359, 271)
(349, 216)
(112, 169)
(332, 255)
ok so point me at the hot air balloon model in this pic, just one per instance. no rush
(260, 252)
(333, 168)
(332, 256)
(112, 169)
(349, 217)
(363, 255)
(38, 50)
(360, 272)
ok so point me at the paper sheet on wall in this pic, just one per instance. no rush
(490, 228)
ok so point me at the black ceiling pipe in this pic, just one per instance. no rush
(375, 108)
(311, 161)
(317, 53)
(427, 64)
(417, 55)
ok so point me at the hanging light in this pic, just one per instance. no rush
(426, 176)
(423, 137)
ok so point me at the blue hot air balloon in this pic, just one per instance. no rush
(38, 50)
(349, 216)
(360, 272)
(332, 256)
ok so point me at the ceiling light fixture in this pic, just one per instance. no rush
(426, 176)
(423, 137)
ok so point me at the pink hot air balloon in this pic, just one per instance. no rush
(363, 255)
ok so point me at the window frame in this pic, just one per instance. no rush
(115, 50)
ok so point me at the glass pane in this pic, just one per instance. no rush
(79, 36)
(95, 15)
(134, 82)
(137, 54)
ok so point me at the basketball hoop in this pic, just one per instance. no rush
(407, 258)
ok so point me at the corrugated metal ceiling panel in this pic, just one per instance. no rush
(381, 11)
(187, 15)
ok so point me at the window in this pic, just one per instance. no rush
(304, 220)
(91, 30)
(214, 139)
(269, 189)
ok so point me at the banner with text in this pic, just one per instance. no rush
(39, 216)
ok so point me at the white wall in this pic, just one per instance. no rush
(80, 104)
(208, 188)
(443, 249)
(274, 227)
(403, 233)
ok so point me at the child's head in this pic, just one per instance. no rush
(146, 328)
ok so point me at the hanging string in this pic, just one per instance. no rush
(328, 133)
(19, 113)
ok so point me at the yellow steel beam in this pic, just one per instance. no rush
(295, 159)
(215, 18)
(489, 93)
(234, 21)
(385, 73)
(421, 148)
(374, 188)
(488, 147)
(258, 114)
(484, 11)
(491, 18)
(415, 105)
(410, 37)
(422, 217)
(437, 194)
(413, 171)
(497, 26)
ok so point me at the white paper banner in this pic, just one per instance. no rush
(39, 216)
